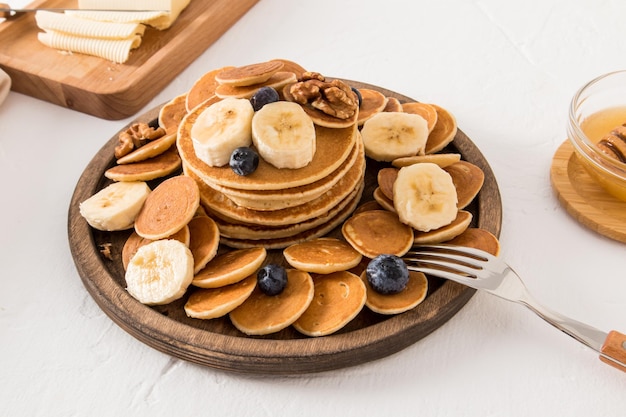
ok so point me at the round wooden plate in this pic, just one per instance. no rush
(583, 198)
(217, 343)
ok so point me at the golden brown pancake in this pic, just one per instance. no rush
(372, 102)
(427, 111)
(332, 148)
(321, 230)
(407, 299)
(151, 149)
(210, 303)
(478, 239)
(249, 74)
(168, 208)
(204, 242)
(445, 233)
(468, 179)
(444, 131)
(203, 89)
(172, 113)
(376, 232)
(276, 81)
(278, 199)
(150, 169)
(338, 298)
(368, 205)
(386, 177)
(393, 104)
(291, 66)
(440, 159)
(263, 314)
(322, 256)
(230, 267)
(217, 202)
(382, 200)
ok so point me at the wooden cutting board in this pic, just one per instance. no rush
(100, 87)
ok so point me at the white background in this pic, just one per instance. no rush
(505, 69)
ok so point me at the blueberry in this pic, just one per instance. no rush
(358, 95)
(272, 279)
(263, 96)
(387, 274)
(244, 161)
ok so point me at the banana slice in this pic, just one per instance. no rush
(391, 135)
(116, 206)
(160, 272)
(220, 129)
(284, 135)
(425, 197)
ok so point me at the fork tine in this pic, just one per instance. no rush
(446, 263)
(436, 272)
(472, 253)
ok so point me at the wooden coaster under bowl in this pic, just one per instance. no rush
(583, 198)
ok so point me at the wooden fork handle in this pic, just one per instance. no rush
(615, 347)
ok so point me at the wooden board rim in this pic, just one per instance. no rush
(583, 198)
(259, 355)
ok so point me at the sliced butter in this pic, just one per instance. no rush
(160, 20)
(116, 50)
(70, 25)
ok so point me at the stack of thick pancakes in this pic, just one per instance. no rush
(273, 207)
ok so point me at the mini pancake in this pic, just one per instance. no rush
(230, 267)
(407, 299)
(210, 303)
(368, 205)
(232, 229)
(383, 201)
(203, 89)
(445, 233)
(319, 117)
(135, 241)
(322, 255)
(440, 159)
(278, 199)
(172, 113)
(372, 102)
(393, 104)
(249, 74)
(263, 314)
(150, 169)
(332, 149)
(377, 232)
(168, 208)
(204, 242)
(338, 298)
(151, 149)
(468, 180)
(443, 133)
(478, 239)
(291, 66)
(427, 111)
(281, 243)
(276, 81)
(217, 202)
(386, 177)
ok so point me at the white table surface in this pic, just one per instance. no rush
(505, 69)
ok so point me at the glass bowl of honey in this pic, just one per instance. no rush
(597, 130)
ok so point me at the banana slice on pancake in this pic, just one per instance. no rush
(160, 272)
(116, 206)
(134, 242)
(221, 128)
(284, 135)
(391, 135)
(425, 197)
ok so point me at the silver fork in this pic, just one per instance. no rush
(483, 271)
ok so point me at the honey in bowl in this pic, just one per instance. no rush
(607, 130)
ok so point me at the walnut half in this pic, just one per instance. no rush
(137, 135)
(334, 98)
